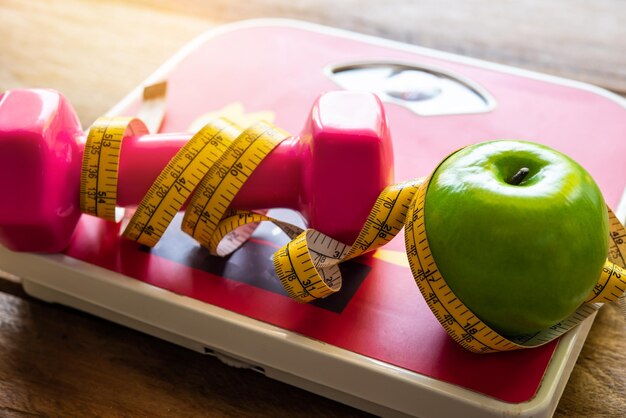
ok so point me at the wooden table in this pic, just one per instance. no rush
(56, 361)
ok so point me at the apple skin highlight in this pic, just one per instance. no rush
(522, 257)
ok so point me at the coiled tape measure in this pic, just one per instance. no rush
(215, 163)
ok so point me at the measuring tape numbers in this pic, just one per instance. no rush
(99, 169)
(459, 322)
(178, 180)
(211, 200)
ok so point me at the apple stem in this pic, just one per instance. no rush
(519, 176)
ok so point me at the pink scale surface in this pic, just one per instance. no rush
(380, 312)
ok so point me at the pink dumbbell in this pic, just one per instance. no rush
(332, 172)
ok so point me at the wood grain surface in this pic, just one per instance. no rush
(55, 361)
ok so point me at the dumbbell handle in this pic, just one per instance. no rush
(274, 183)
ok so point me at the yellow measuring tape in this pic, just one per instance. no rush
(211, 168)
(308, 266)
(178, 180)
(214, 165)
(218, 188)
(99, 170)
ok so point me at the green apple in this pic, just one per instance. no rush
(519, 232)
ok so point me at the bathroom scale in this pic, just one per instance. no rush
(374, 345)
